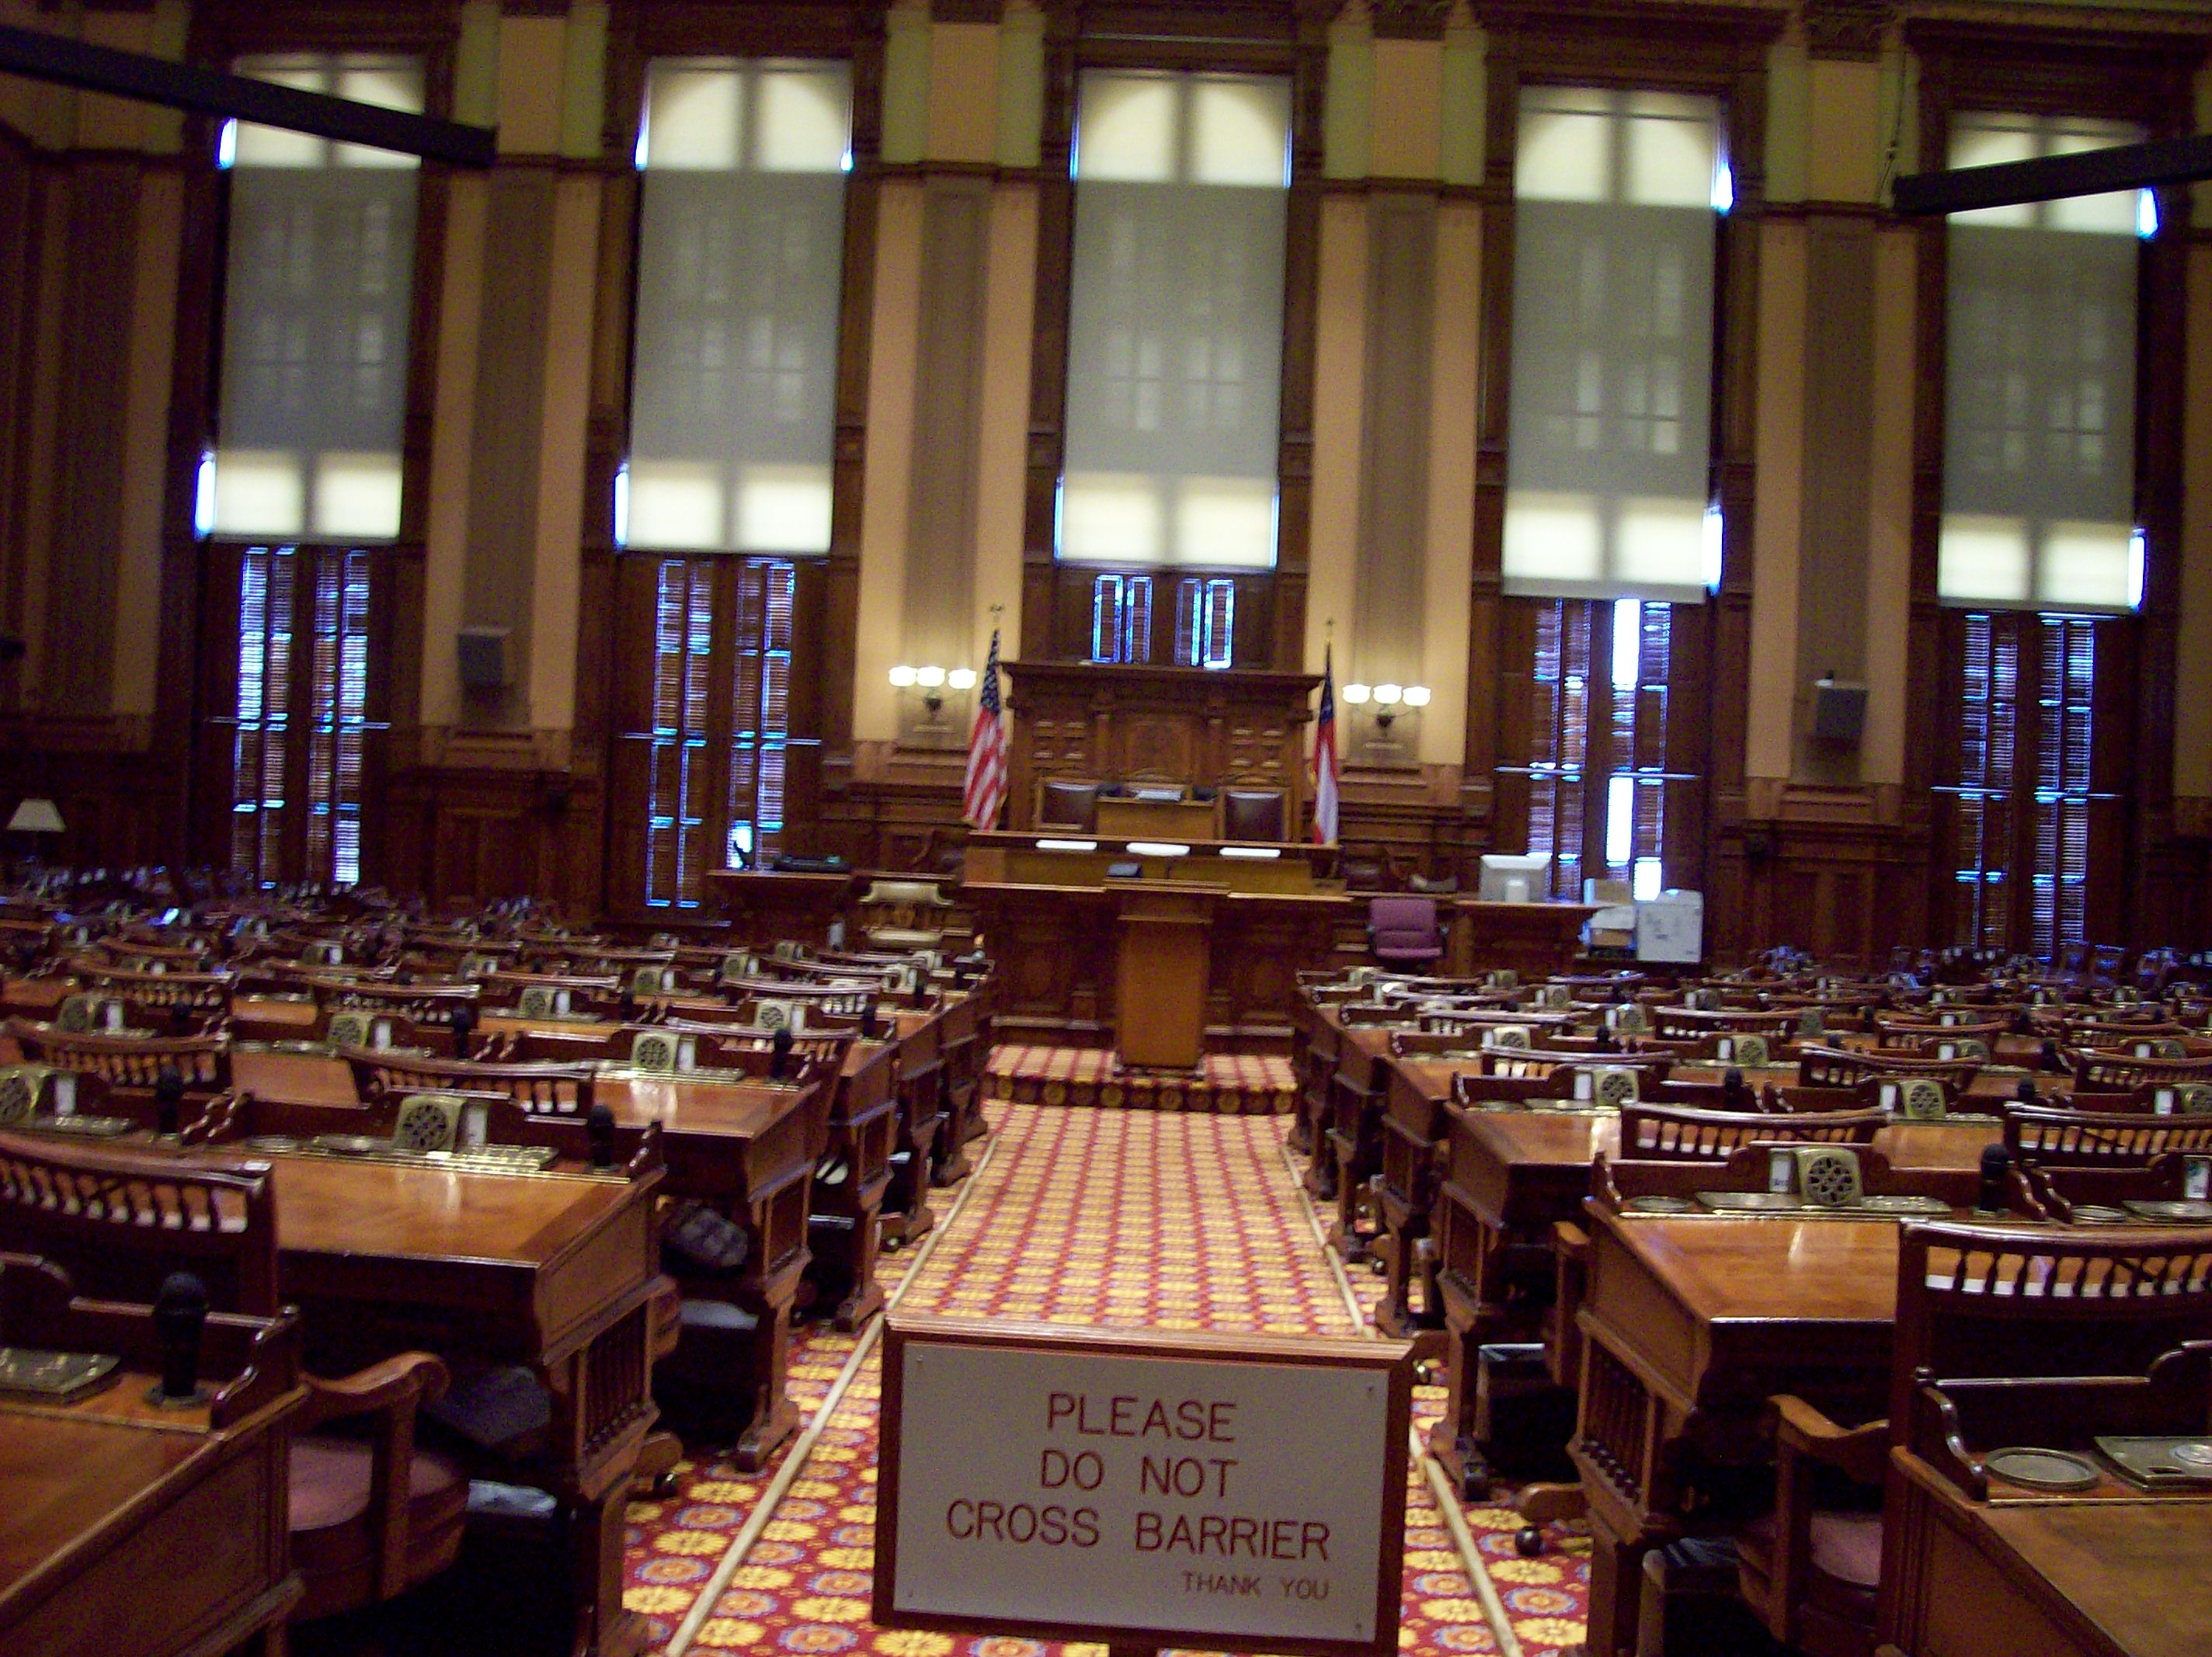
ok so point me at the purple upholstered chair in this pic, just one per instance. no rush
(1401, 930)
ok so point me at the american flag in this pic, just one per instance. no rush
(987, 750)
(1324, 760)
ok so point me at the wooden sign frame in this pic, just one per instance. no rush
(1392, 1359)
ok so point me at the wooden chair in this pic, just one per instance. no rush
(2098, 1196)
(541, 1090)
(1971, 1303)
(2102, 1071)
(1843, 1067)
(129, 1061)
(372, 1515)
(1670, 1133)
(2100, 1139)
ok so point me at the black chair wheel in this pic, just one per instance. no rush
(1528, 1542)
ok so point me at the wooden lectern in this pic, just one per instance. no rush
(1160, 988)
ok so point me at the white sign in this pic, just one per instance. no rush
(1200, 1491)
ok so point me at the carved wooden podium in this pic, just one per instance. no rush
(1160, 986)
(1091, 723)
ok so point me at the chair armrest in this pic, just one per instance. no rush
(393, 1389)
(411, 1379)
(1804, 1435)
(1861, 1454)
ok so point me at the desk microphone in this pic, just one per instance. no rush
(180, 1317)
(1997, 1164)
(600, 1129)
(168, 1103)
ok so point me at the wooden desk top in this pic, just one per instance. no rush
(63, 1481)
(739, 1110)
(2136, 1571)
(1771, 1271)
(332, 1206)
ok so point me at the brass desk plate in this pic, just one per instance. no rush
(2158, 1464)
(30, 1371)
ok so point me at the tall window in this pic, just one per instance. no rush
(2032, 802)
(317, 287)
(299, 488)
(1611, 540)
(1609, 437)
(2038, 540)
(300, 738)
(1175, 338)
(1596, 786)
(740, 252)
(2039, 444)
(724, 506)
(711, 757)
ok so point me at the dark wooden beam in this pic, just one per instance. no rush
(65, 62)
(2052, 178)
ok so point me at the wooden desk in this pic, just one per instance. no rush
(1415, 1123)
(1532, 939)
(748, 1150)
(844, 1227)
(920, 1085)
(92, 1511)
(553, 1271)
(1357, 1091)
(764, 907)
(2054, 1577)
(1177, 820)
(1689, 1326)
(1054, 947)
(111, 1492)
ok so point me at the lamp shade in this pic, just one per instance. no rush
(36, 816)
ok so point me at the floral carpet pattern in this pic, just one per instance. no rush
(1085, 1218)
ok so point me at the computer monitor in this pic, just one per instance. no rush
(1507, 879)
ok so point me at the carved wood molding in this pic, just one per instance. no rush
(1410, 20)
(1848, 28)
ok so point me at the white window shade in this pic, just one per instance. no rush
(319, 290)
(2038, 465)
(1610, 432)
(740, 266)
(1175, 353)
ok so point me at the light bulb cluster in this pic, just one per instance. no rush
(1387, 695)
(933, 678)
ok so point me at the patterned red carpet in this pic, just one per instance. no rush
(1227, 1083)
(1089, 1218)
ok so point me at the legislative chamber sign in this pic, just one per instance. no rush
(1138, 1487)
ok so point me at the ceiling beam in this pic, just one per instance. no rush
(69, 63)
(2054, 177)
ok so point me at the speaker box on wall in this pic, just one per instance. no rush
(1838, 711)
(484, 659)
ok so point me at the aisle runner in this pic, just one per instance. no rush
(1087, 1218)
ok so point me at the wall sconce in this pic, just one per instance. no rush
(1387, 700)
(933, 682)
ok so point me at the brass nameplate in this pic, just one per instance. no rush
(52, 1377)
